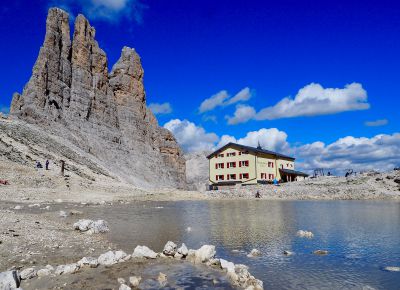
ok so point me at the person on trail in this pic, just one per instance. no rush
(258, 194)
(47, 164)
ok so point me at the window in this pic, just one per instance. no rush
(270, 164)
(230, 176)
(244, 163)
(219, 165)
(230, 164)
(270, 176)
(230, 154)
(282, 166)
(221, 155)
(263, 175)
(219, 177)
(245, 175)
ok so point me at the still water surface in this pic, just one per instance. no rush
(362, 237)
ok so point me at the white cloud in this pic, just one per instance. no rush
(381, 152)
(270, 139)
(222, 99)
(108, 10)
(191, 137)
(242, 114)
(159, 109)
(377, 123)
(213, 102)
(241, 96)
(313, 100)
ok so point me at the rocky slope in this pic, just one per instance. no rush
(197, 170)
(99, 118)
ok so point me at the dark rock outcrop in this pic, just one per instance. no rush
(72, 95)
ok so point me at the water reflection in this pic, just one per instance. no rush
(361, 236)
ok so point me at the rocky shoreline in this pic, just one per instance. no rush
(39, 243)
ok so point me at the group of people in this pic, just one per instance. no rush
(39, 165)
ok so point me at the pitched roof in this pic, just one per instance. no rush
(294, 172)
(249, 148)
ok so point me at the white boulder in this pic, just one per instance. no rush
(162, 279)
(144, 252)
(124, 287)
(305, 234)
(99, 226)
(183, 250)
(67, 269)
(111, 258)
(44, 272)
(205, 253)
(91, 227)
(169, 249)
(9, 280)
(227, 266)
(254, 253)
(134, 281)
(88, 262)
(28, 273)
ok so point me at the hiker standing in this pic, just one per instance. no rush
(258, 194)
(47, 164)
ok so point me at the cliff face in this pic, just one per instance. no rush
(72, 95)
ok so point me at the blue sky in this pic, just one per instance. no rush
(343, 55)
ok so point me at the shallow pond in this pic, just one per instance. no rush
(362, 237)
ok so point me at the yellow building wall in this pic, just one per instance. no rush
(257, 165)
(237, 170)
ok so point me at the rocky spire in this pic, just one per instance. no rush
(71, 93)
(48, 88)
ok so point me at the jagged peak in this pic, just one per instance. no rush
(83, 30)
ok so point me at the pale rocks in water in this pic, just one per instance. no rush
(305, 234)
(89, 262)
(182, 250)
(134, 281)
(204, 254)
(124, 287)
(162, 279)
(169, 249)
(227, 266)
(392, 269)
(111, 258)
(321, 252)
(10, 280)
(28, 273)
(121, 280)
(67, 269)
(91, 227)
(254, 253)
(144, 252)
